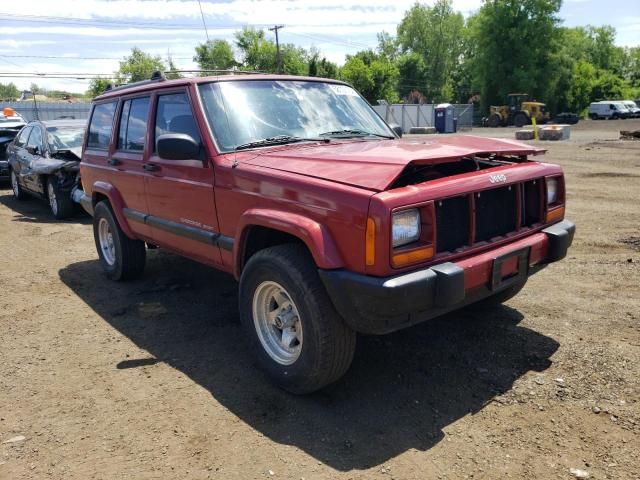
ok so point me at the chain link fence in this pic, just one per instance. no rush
(50, 110)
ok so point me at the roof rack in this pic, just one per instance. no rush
(228, 71)
(157, 76)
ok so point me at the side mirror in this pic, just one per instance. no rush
(177, 146)
(397, 129)
(35, 150)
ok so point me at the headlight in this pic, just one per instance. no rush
(405, 227)
(552, 190)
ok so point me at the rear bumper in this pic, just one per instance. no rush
(376, 305)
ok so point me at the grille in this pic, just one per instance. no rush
(496, 214)
(452, 219)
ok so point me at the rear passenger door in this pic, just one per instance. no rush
(182, 213)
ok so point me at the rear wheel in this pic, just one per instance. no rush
(121, 257)
(520, 119)
(60, 202)
(18, 193)
(294, 330)
(593, 116)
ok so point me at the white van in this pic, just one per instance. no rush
(611, 109)
(634, 110)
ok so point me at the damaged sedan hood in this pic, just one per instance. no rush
(374, 165)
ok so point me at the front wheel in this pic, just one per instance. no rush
(121, 257)
(60, 202)
(298, 337)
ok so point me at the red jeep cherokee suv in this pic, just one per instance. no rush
(331, 223)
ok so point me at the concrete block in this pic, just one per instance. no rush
(555, 132)
(422, 130)
(524, 134)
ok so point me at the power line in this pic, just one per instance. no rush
(62, 57)
(203, 22)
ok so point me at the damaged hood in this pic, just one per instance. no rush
(374, 165)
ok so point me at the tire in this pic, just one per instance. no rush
(121, 257)
(593, 116)
(60, 202)
(520, 120)
(494, 120)
(18, 192)
(321, 345)
(614, 117)
(500, 297)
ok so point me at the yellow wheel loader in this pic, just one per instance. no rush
(519, 111)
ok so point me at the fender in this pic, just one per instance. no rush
(117, 204)
(315, 236)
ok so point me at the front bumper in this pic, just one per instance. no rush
(374, 305)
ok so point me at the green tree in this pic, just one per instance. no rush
(97, 86)
(260, 54)
(139, 66)
(579, 93)
(435, 34)
(215, 55)
(372, 75)
(172, 72)
(321, 67)
(516, 41)
(9, 92)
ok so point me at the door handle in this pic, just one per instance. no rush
(114, 162)
(150, 167)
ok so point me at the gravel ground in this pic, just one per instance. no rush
(152, 380)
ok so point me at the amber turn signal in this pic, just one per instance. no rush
(370, 242)
(413, 256)
(555, 214)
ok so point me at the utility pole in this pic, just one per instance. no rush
(278, 60)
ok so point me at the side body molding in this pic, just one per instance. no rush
(117, 204)
(315, 236)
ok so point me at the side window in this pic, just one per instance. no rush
(35, 139)
(101, 125)
(133, 124)
(174, 115)
(22, 137)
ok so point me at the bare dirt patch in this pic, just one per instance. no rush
(151, 379)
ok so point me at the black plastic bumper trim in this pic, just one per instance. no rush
(193, 233)
(374, 305)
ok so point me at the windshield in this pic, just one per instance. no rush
(247, 111)
(65, 138)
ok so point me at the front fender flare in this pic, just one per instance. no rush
(314, 235)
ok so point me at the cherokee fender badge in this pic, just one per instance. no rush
(498, 178)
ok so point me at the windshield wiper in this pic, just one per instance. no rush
(278, 140)
(353, 133)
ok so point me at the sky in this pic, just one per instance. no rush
(88, 37)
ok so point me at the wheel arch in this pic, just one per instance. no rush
(262, 228)
(101, 191)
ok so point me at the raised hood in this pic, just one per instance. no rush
(374, 165)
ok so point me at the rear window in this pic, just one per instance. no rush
(101, 125)
(133, 124)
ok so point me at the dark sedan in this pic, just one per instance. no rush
(44, 161)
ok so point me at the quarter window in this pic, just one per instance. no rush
(133, 124)
(174, 115)
(101, 125)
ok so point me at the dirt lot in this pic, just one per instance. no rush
(151, 379)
